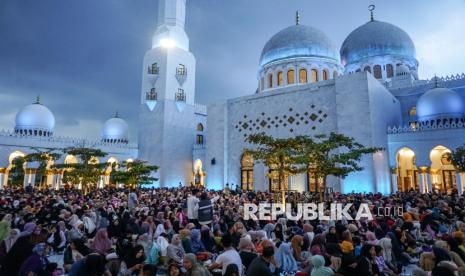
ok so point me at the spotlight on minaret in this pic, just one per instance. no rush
(167, 43)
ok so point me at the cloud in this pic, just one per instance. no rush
(441, 48)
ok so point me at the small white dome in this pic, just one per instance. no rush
(115, 130)
(440, 103)
(35, 119)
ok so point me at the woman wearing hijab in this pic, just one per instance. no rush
(56, 239)
(175, 251)
(7, 244)
(247, 252)
(193, 268)
(207, 239)
(388, 256)
(101, 243)
(196, 243)
(284, 258)
(319, 268)
(297, 242)
(366, 264)
(21, 250)
(5, 227)
(133, 262)
(37, 263)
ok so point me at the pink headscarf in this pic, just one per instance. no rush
(101, 243)
(371, 238)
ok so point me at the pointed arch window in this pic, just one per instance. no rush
(280, 78)
(389, 71)
(303, 76)
(181, 70)
(377, 72)
(151, 95)
(270, 80)
(290, 76)
(153, 69)
(199, 127)
(247, 178)
(325, 75)
(180, 95)
(314, 75)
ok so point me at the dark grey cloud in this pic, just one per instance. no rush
(85, 57)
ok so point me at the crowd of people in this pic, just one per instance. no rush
(191, 231)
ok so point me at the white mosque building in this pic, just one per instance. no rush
(368, 90)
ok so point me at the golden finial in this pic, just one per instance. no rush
(297, 17)
(435, 81)
(38, 99)
(371, 8)
(116, 114)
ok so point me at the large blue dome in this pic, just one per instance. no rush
(298, 41)
(376, 38)
(440, 103)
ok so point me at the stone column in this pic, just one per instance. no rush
(460, 178)
(422, 182)
(29, 177)
(102, 181)
(394, 187)
(428, 182)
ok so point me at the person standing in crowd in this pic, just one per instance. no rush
(205, 210)
(193, 206)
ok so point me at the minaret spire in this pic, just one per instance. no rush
(171, 13)
(297, 17)
(436, 81)
(371, 8)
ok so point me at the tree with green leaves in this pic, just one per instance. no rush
(16, 173)
(276, 153)
(457, 158)
(336, 155)
(43, 158)
(134, 174)
(86, 172)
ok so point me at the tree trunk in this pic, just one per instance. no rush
(324, 186)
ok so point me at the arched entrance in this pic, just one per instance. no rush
(407, 171)
(199, 175)
(247, 172)
(15, 172)
(442, 172)
(69, 159)
(113, 165)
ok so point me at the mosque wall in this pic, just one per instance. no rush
(366, 104)
(216, 135)
(284, 112)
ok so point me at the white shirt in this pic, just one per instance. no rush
(193, 207)
(228, 257)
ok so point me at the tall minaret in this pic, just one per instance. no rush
(166, 117)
